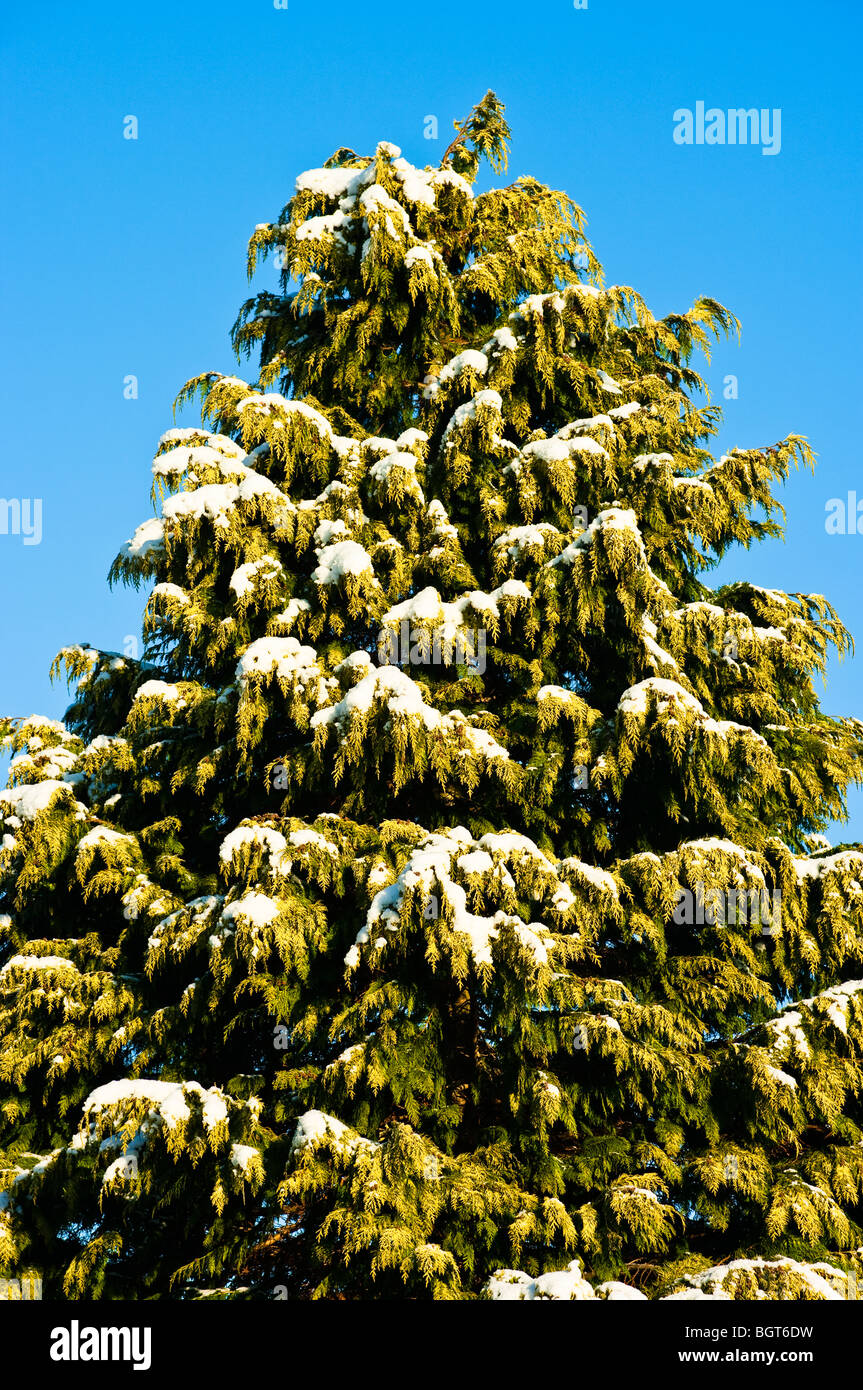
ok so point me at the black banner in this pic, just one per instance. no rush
(65, 1340)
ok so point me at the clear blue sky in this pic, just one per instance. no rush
(127, 257)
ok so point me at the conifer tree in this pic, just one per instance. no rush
(440, 907)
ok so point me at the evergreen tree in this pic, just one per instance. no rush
(439, 908)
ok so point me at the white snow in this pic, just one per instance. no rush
(657, 656)
(346, 557)
(835, 1002)
(636, 698)
(417, 183)
(165, 1096)
(242, 580)
(284, 656)
(292, 611)
(306, 837)
(709, 1282)
(519, 538)
(29, 801)
(386, 682)
(598, 878)
(404, 697)
(334, 183)
(476, 861)
(411, 436)
(503, 339)
(511, 842)
(611, 519)
(38, 963)
(221, 453)
(264, 403)
(171, 435)
(148, 536)
(376, 199)
(583, 426)
(847, 861)
(428, 607)
(608, 383)
(171, 591)
(787, 1028)
(314, 1128)
(468, 411)
(419, 255)
(264, 835)
(382, 468)
(242, 1157)
(535, 304)
(565, 1285)
(450, 179)
(560, 450)
(781, 1077)
(160, 690)
(167, 1102)
(612, 1289)
(549, 450)
(101, 834)
(215, 500)
(314, 228)
(477, 361)
(255, 908)
(429, 870)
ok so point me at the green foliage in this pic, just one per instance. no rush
(344, 978)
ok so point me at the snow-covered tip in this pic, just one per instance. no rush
(169, 1100)
(246, 838)
(37, 964)
(160, 690)
(314, 1128)
(148, 536)
(608, 383)
(336, 561)
(483, 399)
(781, 1278)
(28, 802)
(559, 1286)
(266, 403)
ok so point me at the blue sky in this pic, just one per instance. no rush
(127, 257)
